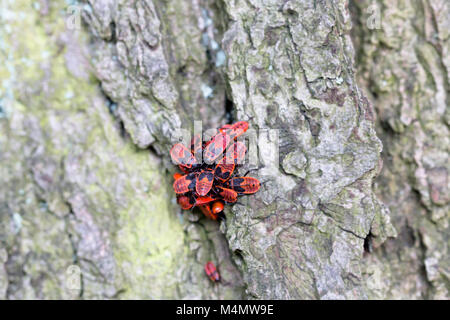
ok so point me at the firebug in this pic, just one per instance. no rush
(212, 272)
(185, 183)
(244, 185)
(224, 169)
(228, 195)
(204, 182)
(182, 156)
(185, 202)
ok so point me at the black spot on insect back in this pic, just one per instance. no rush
(192, 178)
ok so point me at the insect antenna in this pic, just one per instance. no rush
(250, 170)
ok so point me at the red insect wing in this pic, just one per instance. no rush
(206, 209)
(237, 129)
(185, 183)
(211, 271)
(239, 152)
(224, 170)
(229, 195)
(204, 182)
(203, 200)
(182, 155)
(217, 207)
(185, 202)
(244, 185)
(216, 147)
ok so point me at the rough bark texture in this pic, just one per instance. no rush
(86, 117)
(290, 67)
(75, 189)
(404, 67)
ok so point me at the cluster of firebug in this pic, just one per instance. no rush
(211, 183)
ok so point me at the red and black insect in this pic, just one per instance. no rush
(222, 140)
(228, 195)
(204, 182)
(224, 169)
(185, 202)
(208, 185)
(211, 183)
(185, 183)
(216, 148)
(203, 200)
(182, 156)
(212, 272)
(244, 185)
(236, 129)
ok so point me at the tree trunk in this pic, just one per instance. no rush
(403, 65)
(88, 107)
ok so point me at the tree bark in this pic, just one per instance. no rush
(404, 68)
(87, 114)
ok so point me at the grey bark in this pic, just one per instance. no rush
(403, 65)
(86, 129)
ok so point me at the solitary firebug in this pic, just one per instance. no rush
(224, 169)
(204, 182)
(185, 183)
(212, 272)
(229, 195)
(244, 185)
(182, 156)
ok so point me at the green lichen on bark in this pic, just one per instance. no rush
(290, 68)
(86, 120)
(151, 65)
(403, 65)
(75, 191)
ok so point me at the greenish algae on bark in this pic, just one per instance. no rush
(89, 187)
(403, 65)
(75, 191)
(290, 69)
